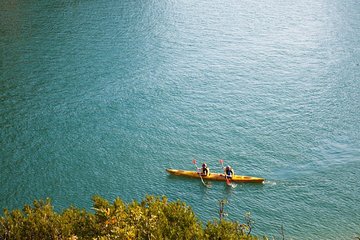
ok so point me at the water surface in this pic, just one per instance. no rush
(101, 97)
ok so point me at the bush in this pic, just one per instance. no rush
(227, 230)
(152, 218)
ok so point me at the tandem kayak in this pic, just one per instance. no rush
(215, 176)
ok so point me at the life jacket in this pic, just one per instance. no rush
(205, 171)
(229, 171)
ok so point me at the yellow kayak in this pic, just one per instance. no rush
(215, 176)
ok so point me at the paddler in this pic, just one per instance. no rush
(205, 171)
(229, 172)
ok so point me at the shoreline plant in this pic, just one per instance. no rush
(152, 218)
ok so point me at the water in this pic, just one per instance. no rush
(100, 97)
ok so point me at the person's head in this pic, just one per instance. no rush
(204, 165)
(228, 167)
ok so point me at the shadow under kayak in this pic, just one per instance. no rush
(215, 176)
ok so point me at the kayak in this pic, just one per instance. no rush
(215, 176)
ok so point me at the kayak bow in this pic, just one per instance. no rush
(215, 176)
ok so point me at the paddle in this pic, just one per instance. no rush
(202, 180)
(226, 177)
(228, 180)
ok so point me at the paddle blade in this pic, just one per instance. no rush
(194, 161)
(221, 161)
(228, 181)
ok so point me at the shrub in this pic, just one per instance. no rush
(152, 218)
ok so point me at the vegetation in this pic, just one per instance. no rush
(152, 218)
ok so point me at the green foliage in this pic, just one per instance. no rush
(226, 230)
(152, 218)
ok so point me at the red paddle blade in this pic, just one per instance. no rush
(194, 161)
(221, 161)
(228, 181)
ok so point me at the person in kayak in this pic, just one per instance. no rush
(205, 171)
(229, 172)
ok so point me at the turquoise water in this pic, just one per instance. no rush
(100, 97)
